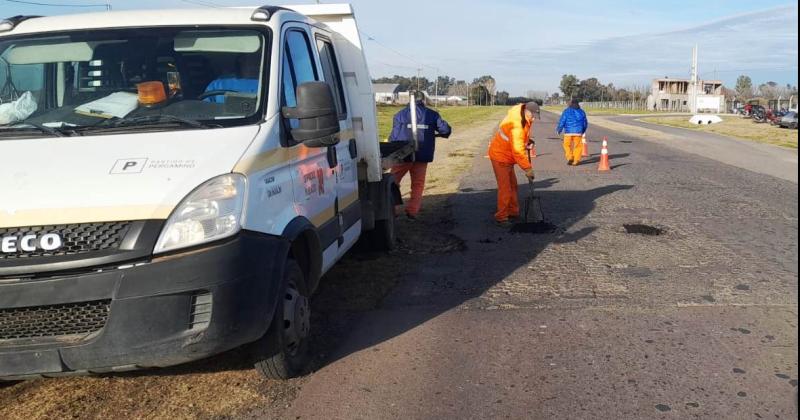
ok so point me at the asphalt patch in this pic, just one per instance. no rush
(537, 228)
(663, 408)
(646, 230)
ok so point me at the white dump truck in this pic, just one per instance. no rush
(174, 183)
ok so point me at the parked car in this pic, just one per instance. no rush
(789, 120)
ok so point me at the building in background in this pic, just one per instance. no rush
(674, 95)
(387, 93)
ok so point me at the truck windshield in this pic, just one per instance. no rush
(130, 79)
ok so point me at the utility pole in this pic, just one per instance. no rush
(436, 91)
(418, 73)
(693, 96)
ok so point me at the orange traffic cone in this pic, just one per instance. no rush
(605, 165)
(584, 146)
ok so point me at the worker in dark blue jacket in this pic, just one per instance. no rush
(573, 124)
(429, 126)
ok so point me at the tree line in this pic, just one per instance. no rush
(480, 91)
(745, 90)
(592, 90)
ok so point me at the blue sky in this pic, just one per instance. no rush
(528, 45)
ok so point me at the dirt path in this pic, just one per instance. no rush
(226, 386)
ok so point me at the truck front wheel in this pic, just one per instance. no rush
(283, 351)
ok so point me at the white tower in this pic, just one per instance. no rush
(693, 87)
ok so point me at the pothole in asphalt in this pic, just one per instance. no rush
(534, 228)
(646, 230)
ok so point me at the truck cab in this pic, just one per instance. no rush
(174, 183)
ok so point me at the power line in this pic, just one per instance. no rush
(371, 38)
(395, 65)
(35, 3)
(752, 69)
(202, 3)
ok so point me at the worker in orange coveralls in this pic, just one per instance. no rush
(508, 148)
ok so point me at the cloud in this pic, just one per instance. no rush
(763, 42)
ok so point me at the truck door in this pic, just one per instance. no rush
(347, 206)
(313, 169)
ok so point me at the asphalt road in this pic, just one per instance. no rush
(757, 157)
(590, 321)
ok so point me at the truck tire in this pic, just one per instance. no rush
(283, 351)
(383, 238)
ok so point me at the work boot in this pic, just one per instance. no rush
(569, 162)
(503, 223)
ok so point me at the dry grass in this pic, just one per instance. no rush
(736, 127)
(459, 117)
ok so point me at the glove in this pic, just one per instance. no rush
(529, 174)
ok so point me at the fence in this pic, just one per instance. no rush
(640, 105)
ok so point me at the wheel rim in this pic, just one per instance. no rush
(296, 319)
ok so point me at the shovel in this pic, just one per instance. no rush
(532, 207)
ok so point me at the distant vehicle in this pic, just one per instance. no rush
(789, 120)
(774, 116)
(758, 113)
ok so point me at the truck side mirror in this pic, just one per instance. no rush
(316, 111)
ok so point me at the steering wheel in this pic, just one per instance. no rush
(211, 93)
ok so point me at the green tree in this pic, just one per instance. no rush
(445, 82)
(591, 90)
(569, 85)
(407, 83)
(744, 87)
(502, 98)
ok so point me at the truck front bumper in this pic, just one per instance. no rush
(166, 311)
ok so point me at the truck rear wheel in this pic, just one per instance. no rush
(383, 238)
(283, 351)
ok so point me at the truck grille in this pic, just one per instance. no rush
(76, 238)
(53, 320)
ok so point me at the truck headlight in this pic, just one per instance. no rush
(212, 211)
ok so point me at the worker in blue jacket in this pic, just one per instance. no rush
(573, 124)
(429, 126)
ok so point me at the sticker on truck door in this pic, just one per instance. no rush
(128, 166)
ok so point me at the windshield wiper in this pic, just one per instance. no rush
(34, 126)
(150, 120)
